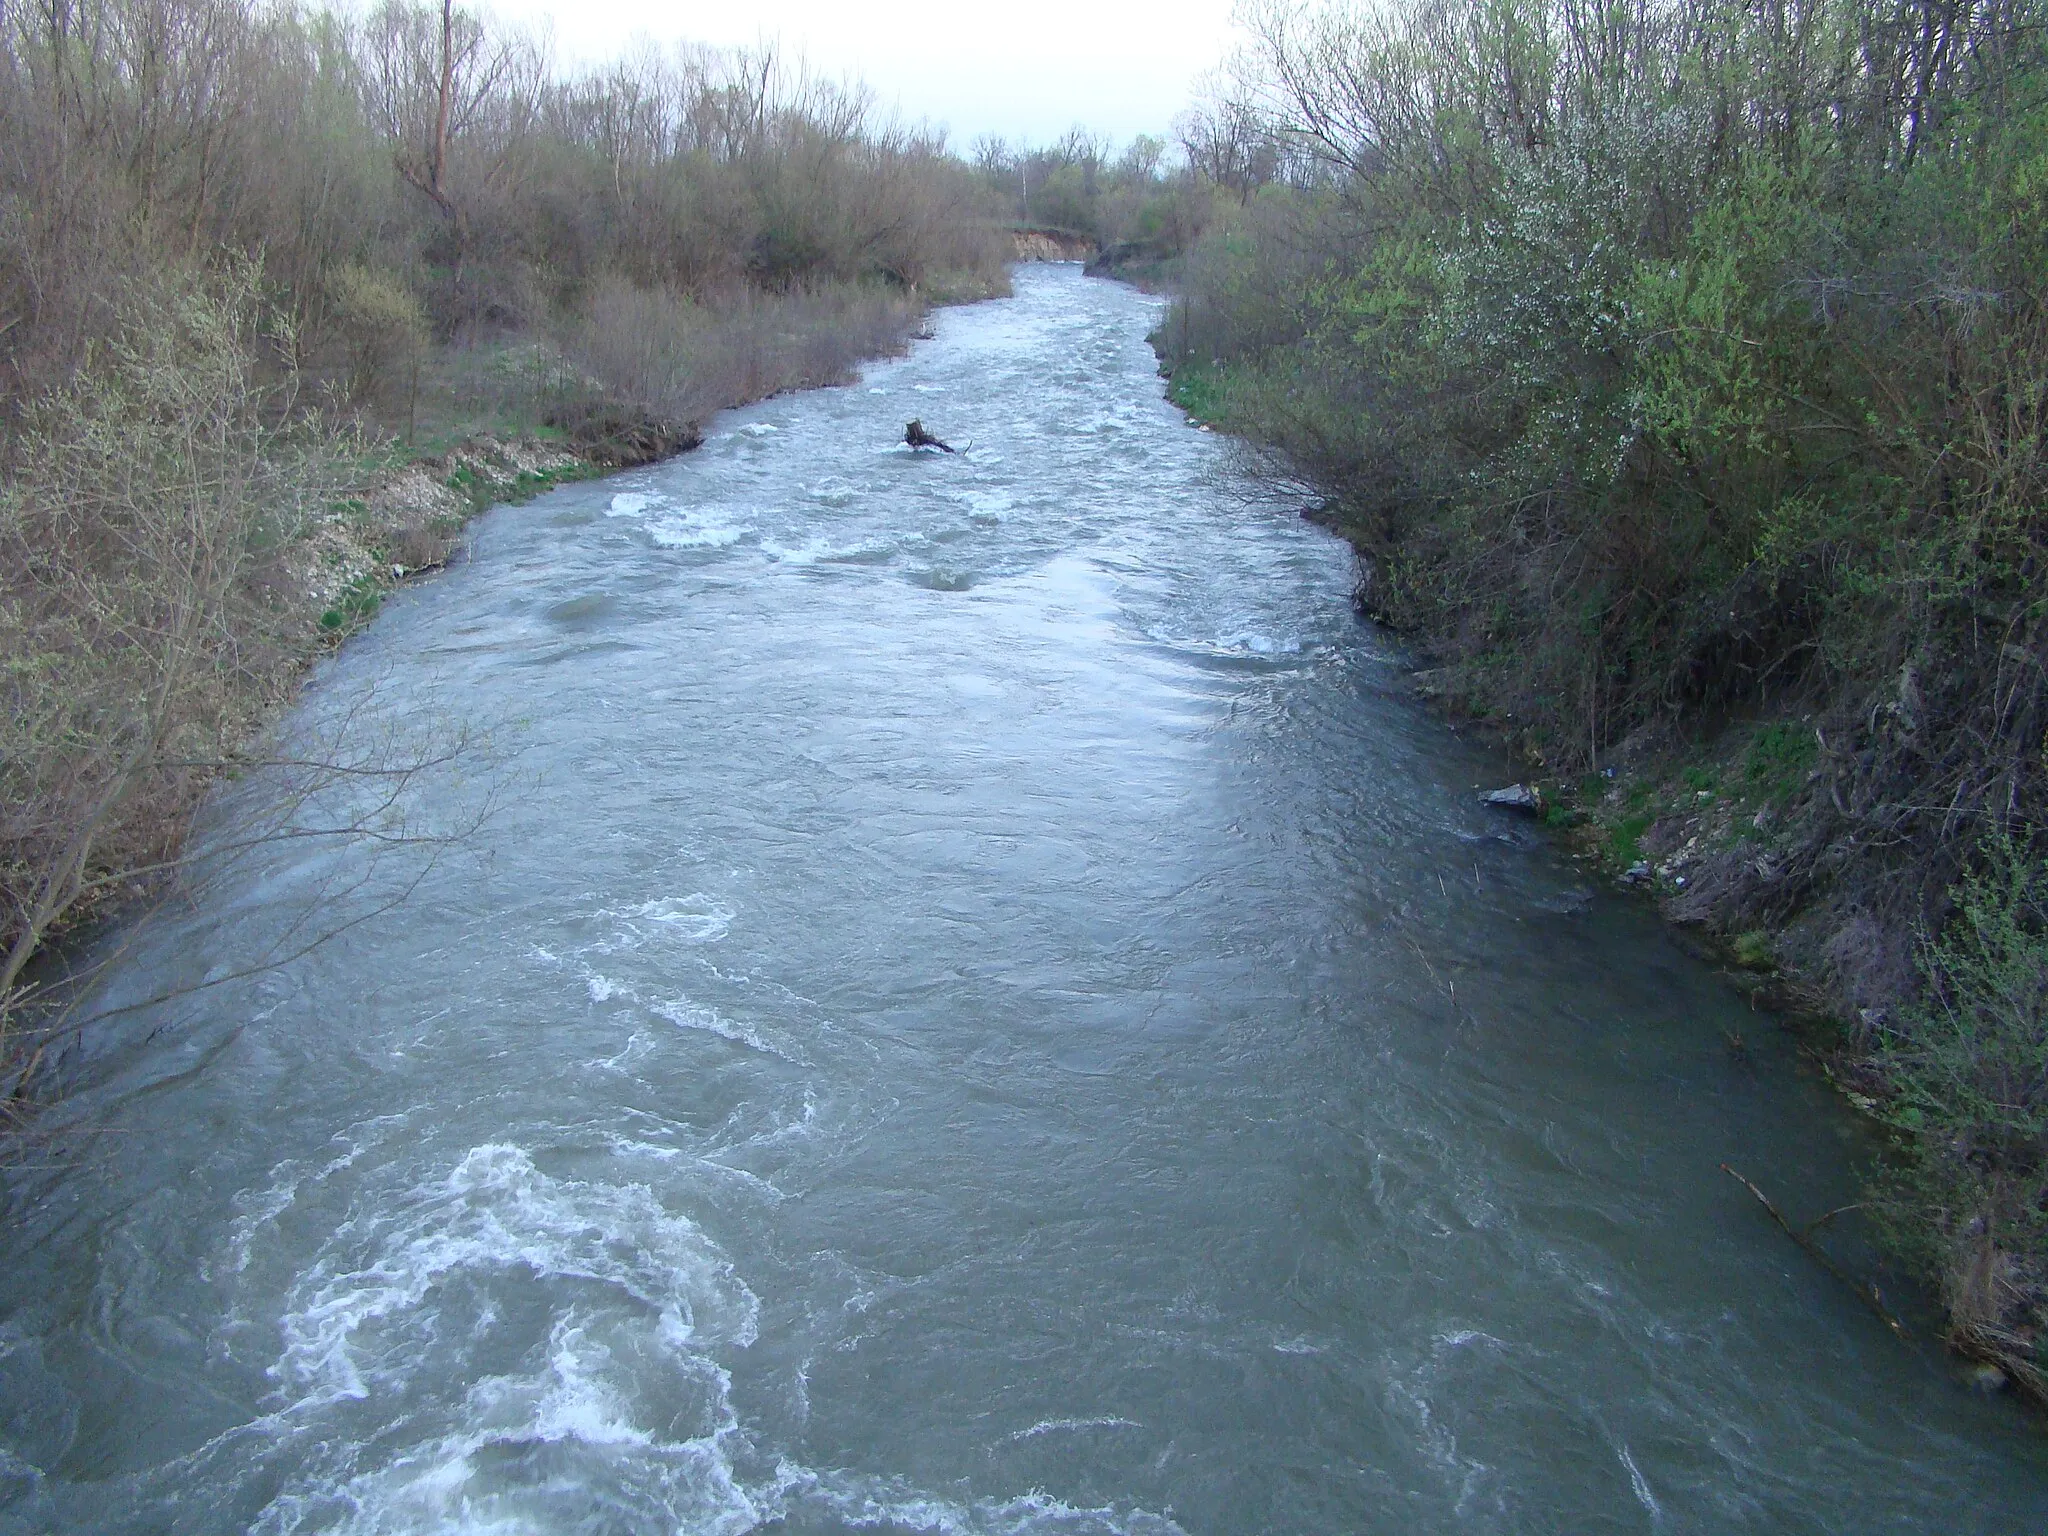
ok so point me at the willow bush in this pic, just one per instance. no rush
(147, 503)
(1971, 1066)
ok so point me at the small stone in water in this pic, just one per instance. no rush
(1516, 797)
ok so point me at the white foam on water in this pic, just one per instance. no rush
(538, 1455)
(367, 1313)
(685, 1014)
(799, 1129)
(758, 429)
(630, 1147)
(257, 1209)
(1261, 644)
(636, 1046)
(628, 504)
(873, 1501)
(692, 919)
(696, 918)
(1640, 1484)
(1458, 1338)
(687, 530)
(1051, 1426)
(403, 1417)
(408, 1403)
(1408, 1396)
(820, 551)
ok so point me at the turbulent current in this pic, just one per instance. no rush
(973, 1002)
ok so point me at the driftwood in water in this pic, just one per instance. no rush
(915, 435)
(1866, 1291)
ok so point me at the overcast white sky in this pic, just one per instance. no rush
(1031, 70)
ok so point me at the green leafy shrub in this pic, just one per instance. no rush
(357, 604)
(1200, 389)
(1970, 1068)
(1753, 950)
(382, 325)
(1778, 760)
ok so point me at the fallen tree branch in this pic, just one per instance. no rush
(1867, 1291)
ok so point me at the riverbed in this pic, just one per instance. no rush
(967, 998)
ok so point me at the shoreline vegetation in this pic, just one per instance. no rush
(1680, 372)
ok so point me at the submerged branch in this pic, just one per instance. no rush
(1866, 1291)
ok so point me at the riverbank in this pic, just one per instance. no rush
(1753, 832)
(559, 421)
(290, 532)
(1735, 830)
(406, 519)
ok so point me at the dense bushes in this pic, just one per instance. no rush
(681, 359)
(1680, 364)
(419, 161)
(1970, 1065)
(149, 505)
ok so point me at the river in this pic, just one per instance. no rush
(981, 1006)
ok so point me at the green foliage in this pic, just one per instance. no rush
(1692, 366)
(1778, 759)
(1626, 837)
(382, 325)
(1754, 951)
(1971, 1072)
(1200, 389)
(1977, 1054)
(357, 604)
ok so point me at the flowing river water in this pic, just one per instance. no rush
(982, 1007)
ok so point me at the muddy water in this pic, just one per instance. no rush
(981, 1007)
